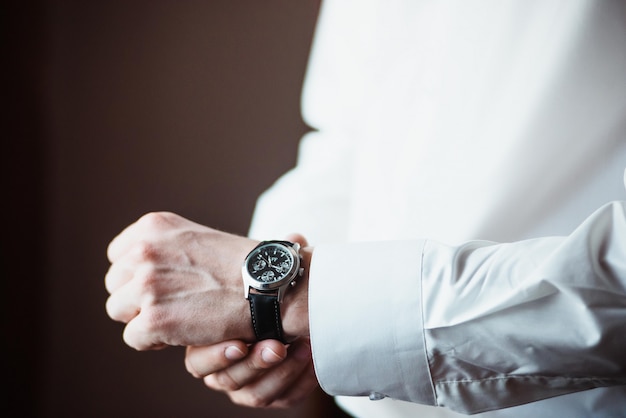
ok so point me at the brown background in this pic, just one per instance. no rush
(113, 109)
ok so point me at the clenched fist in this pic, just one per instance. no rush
(177, 283)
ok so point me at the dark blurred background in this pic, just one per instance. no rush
(113, 109)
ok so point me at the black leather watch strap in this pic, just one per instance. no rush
(266, 319)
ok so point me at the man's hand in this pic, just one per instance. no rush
(267, 374)
(175, 282)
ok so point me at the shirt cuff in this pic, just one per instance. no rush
(365, 316)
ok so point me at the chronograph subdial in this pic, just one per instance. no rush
(270, 264)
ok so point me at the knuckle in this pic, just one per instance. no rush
(193, 363)
(147, 332)
(255, 365)
(155, 220)
(153, 320)
(146, 251)
(147, 279)
(256, 400)
(226, 382)
(131, 339)
(147, 287)
(193, 369)
(111, 309)
(190, 367)
(204, 361)
(288, 372)
(110, 282)
(210, 381)
(285, 403)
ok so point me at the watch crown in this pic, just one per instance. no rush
(293, 283)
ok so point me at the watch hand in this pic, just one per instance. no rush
(267, 259)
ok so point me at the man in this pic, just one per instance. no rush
(461, 251)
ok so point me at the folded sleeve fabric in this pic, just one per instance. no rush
(477, 326)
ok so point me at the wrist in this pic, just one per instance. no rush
(295, 306)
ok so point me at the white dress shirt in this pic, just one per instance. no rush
(456, 188)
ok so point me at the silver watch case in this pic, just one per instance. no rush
(278, 287)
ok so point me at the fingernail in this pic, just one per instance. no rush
(268, 355)
(233, 352)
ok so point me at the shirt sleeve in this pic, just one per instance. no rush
(473, 327)
(313, 198)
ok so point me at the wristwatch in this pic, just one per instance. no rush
(268, 271)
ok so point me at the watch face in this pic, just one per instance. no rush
(270, 263)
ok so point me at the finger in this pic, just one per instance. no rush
(205, 360)
(139, 260)
(123, 305)
(140, 231)
(141, 333)
(119, 244)
(298, 391)
(277, 381)
(117, 276)
(264, 355)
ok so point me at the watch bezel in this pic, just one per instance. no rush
(251, 282)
